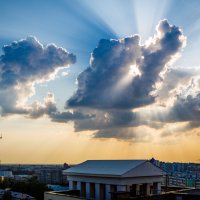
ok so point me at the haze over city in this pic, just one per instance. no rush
(98, 79)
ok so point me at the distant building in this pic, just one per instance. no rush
(184, 175)
(49, 176)
(6, 174)
(107, 179)
(197, 183)
(22, 177)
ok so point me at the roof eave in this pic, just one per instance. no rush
(93, 175)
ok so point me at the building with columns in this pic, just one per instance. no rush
(104, 179)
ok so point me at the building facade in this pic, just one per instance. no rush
(104, 179)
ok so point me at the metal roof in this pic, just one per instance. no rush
(104, 167)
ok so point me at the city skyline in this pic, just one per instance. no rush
(99, 80)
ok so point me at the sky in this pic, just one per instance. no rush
(91, 79)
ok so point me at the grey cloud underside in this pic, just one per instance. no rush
(69, 116)
(127, 134)
(49, 108)
(114, 119)
(184, 110)
(187, 109)
(175, 78)
(111, 60)
(23, 63)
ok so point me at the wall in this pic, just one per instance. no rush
(116, 181)
(57, 196)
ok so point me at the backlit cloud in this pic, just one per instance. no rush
(123, 73)
(123, 77)
(24, 63)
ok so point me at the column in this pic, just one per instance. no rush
(74, 185)
(97, 191)
(128, 188)
(146, 189)
(137, 189)
(87, 190)
(156, 188)
(83, 189)
(92, 190)
(108, 195)
(121, 188)
(159, 188)
(79, 185)
(70, 185)
(148, 192)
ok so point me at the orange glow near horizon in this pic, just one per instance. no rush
(55, 143)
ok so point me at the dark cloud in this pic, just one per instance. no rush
(49, 109)
(114, 119)
(69, 116)
(107, 120)
(185, 109)
(38, 110)
(194, 124)
(24, 63)
(184, 114)
(175, 79)
(110, 82)
(127, 134)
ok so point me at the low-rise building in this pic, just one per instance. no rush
(197, 183)
(107, 179)
(49, 176)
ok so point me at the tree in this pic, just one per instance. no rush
(31, 187)
(5, 183)
(7, 196)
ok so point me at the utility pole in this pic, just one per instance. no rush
(1, 137)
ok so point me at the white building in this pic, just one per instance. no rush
(5, 174)
(103, 179)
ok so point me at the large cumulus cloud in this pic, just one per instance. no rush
(123, 77)
(123, 73)
(24, 63)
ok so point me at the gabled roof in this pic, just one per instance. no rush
(104, 167)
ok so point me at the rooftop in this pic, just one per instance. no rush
(105, 167)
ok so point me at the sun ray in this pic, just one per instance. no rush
(147, 14)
